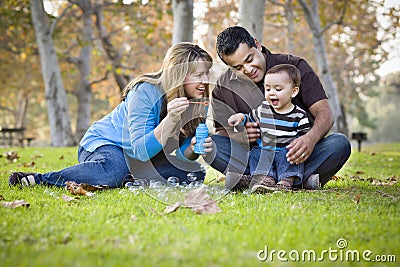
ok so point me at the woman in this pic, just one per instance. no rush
(158, 115)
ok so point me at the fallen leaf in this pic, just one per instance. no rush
(12, 156)
(200, 202)
(2, 198)
(89, 187)
(173, 208)
(357, 198)
(69, 198)
(61, 157)
(15, 204)
(31, 164)
(76, 189)
(359, 172)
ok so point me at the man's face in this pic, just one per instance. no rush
(248, 60)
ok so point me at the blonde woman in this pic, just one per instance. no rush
(150, 134)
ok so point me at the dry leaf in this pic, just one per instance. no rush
(76, 189)
(31, 164)
(173, 208)
(2, 198)
(12, 156)
(69, 198)
(200, 202)
(61, 157)
(357, 198)
(89, 187)
(15, 204)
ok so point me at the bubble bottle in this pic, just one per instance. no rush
(201, 135)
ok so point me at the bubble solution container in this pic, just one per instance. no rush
(201, 135)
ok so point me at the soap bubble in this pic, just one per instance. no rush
(173, 181)
(191, 177)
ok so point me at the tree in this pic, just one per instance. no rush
(56, 100)
(313, 18)
(183, 21)
(251, 16)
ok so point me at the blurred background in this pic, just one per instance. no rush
(64, 63)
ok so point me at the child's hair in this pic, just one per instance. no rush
(291, 70)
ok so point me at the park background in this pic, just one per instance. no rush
(94, 48)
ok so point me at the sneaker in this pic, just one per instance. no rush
(22, 179)
(262, 184)
(237, 182)
(312, 182)
(286, 184)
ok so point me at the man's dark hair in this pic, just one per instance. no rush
(230, 39)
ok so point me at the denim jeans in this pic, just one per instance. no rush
(107, 165)
(104, 166)
(328, 157)
(273, 163)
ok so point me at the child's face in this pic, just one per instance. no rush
(279, 91)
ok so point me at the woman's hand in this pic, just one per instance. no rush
(208, 146)
(176, 107)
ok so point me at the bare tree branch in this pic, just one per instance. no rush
(57, 19)
(338, 21)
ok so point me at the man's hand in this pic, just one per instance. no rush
(300, 149)
(253, 132)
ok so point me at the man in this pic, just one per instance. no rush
(240, 89)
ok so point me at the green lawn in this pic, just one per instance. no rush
(350, 217)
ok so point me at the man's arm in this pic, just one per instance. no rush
(301, 148)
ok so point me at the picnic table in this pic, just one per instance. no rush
(10, 136)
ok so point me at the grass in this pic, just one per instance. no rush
(121, 228)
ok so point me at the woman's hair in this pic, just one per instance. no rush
(180, 61)
(292, 71)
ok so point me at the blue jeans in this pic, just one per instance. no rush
(328, 157)
(107, 165)
(274, 164)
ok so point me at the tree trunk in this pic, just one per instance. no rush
(56, 99)
(83, 91)
(291, 26)
(183, 21)
(112, 53)
(251, 16)
(312, 16)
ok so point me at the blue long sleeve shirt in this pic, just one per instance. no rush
(131, 125)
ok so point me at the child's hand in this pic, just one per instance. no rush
(235, 119)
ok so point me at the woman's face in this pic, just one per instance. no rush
(196, 83)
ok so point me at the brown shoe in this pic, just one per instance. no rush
(237, 182)
(286, 184)
(262, 184)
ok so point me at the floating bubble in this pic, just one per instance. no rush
(173, 181)
(156, 184)
(129, 184)
(191, 177)
(195, 184)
